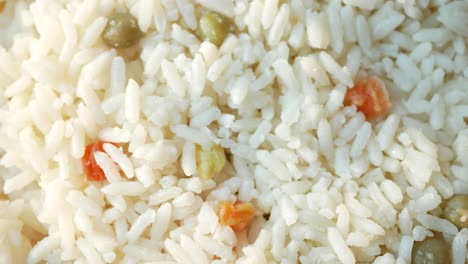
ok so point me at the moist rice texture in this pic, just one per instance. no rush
(327, 185)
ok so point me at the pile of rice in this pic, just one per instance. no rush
(328, 186)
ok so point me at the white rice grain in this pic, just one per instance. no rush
(124, 188)
(341, 249)
(254, 18)
(166, 194)
(163, 218)
(363, 33)
(140, 224)
(367, 225)
(198, 76)
(296, 38)
(155, 59)
(193, 249)
(335, 101)
(79, 200)
(188, 13)
(358, 239)
(343, 220)
(356, 208)
(113, 104)
(120, 158)
(189, 165)
(93, 32)
(205, 118)
(443, 185)
(421, 51)
(43, 248)
(348, 22)
(193, 135)
(19, 181)
(335, 69)
(260, 134)
(270, 9)
(384, 26)
(342, 161)
(325, 138)
(67, 229)
(115, 134)
(213, 246)
(225, 7)
(217, 68)
(173, 78)
(110, 215)
(336, 30)
(318, 34)
(409, 68)
(360, 142)
(459, 247)
(18, 86)
(422, 142)
(288, 211)
(279, 25)
(118, 73)
(437, 224)
(278, 234)
(367, 5)
(183, 37)
(71, 36)
(239, 89)
(285, 73)
(392, 191)
(349, 131)
(132, 101)
(405, 248)
(311, 66)
(436, 35)
(88, 251)
(273, 164)
(387, 131)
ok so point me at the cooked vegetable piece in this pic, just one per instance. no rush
(370, 97)
(2, 5)
(431, 251)
(209, 162)
(91, 168)
(456, 211)
(121, 31)
(237, 215)
(214, 27)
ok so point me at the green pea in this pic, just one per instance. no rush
(456, 211)
(121, 31)
(431, 251)
(214, 27)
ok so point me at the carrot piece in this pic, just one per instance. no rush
(237, 215)
(91, 168)
(370, 97)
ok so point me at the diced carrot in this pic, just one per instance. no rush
(370, 97)
(237, 215)
(91, 168)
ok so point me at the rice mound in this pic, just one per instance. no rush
(327, 185)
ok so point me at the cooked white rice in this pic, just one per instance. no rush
(327, 185)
